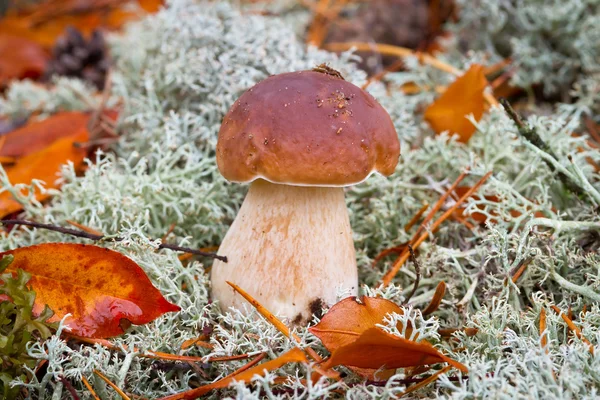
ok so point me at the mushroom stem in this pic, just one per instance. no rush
(291, 248)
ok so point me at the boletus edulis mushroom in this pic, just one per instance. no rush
(299, 138)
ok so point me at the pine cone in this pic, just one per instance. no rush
(75, 56)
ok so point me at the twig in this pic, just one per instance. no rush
(69, 387)
(532, 137)
(91, 236)
(415, 262)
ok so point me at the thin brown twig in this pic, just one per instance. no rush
(84, 228)
(91, 236)
(415, 262)
(69, 387)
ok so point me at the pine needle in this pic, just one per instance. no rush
(416, 243)
(435, 302)
(115, 387)
(573, 327)
(89, 387)
(426, 382)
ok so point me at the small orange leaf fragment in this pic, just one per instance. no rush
(97, 286)
(294, 355)
(463, 97)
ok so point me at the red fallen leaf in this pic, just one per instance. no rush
(38, 135)
(349, 332)
(294, 355)
(20, 58)
(376, 348)
(463, 97)
(43, 165)
(98, 287)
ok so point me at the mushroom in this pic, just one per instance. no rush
(299, 138)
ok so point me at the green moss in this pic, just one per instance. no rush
(18, 327)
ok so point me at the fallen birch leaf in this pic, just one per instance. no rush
(463, 97)
(43, 165)
(100, 288)
(294, 355)
(20, 58)
(376, 348)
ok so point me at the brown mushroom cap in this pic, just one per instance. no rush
(306, 128)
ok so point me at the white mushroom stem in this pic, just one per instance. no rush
(291, 248)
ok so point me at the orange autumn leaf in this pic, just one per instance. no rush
(294, 355)
(101, 289)
(349, 318)
(43, 165)
(463, 97)
(349, 332)
(376, 348)
(48, 20)
(20, 58)
(38, 135)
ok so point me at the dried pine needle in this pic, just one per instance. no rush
(115, 387)
(435, 302)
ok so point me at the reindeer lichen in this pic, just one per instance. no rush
(177, 73)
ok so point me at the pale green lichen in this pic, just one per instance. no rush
(178, 72)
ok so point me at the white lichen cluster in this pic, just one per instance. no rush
(177, 73)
